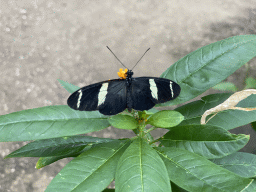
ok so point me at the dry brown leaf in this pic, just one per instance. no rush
(230, 103)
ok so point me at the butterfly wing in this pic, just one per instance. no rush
(148, 91)
(86, 98)
(116, 98)
(166, 89)
(140, 95)
(109, 97)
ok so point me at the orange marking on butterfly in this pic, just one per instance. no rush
(122, 73)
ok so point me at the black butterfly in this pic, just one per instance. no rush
(114, 96)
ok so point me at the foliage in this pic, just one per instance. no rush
(189, 157)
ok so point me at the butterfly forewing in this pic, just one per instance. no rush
(109, 97)
(84, 98)
(141, 94)
(115, 100)
(167, 90)
(146, 92)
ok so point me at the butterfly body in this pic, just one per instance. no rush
(114, 96)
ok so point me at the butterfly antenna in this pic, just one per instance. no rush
(116, 57)
(141, 58)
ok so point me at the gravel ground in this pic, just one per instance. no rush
(43, 40)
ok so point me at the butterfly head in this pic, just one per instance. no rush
(129, 74)
(123, 74)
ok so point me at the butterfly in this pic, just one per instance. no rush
(114, 96)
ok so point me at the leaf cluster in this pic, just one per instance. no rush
(189, 157)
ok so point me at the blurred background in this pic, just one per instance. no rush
(45, 40)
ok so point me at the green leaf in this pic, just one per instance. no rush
(243, 164)
(68, 86)
(93, 170)
(251, 187)
(228, 119)
(226, 86)
(215, 98)
(205, 140)
(141, 169)
(62, 146)
(49, 122)
(123, 122)
(109, 190)
(209, 65)
(197, 174)
(250, 83)
(165, 119)
(44, 161)
(231, 119)
(253, 124)
(176, 188)
(151, 111)
(193, 111)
